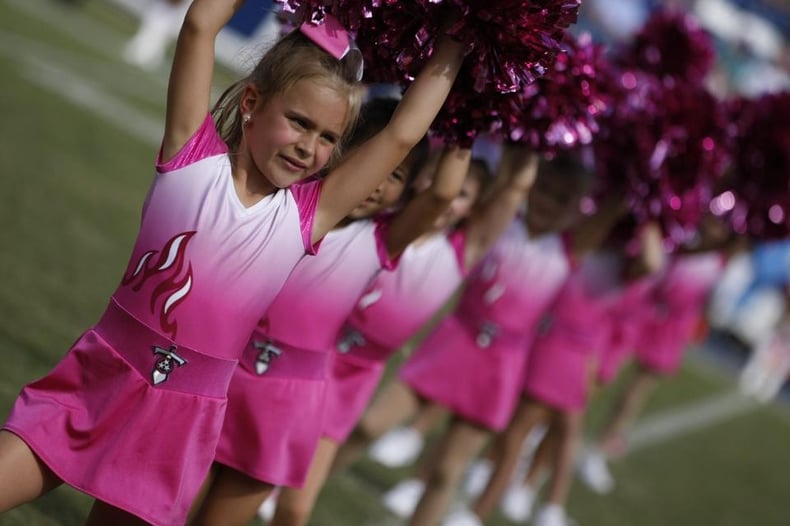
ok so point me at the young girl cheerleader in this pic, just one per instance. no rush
(473, 362)
(132, 414)
(558, 376)
(680, 296)
(262, 445)
(430, 270)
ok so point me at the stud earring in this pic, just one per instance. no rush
(246, 118)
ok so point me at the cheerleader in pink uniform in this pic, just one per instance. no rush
(283, 370)
(560, 370)
(473, 362)
(681, 295)
(132, 414)
(428, 273)
(678, 301)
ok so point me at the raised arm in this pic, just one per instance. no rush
(358, 175)
(420, 214)
(515, 175)
(652, 256)
(589, 234)
(189, 90)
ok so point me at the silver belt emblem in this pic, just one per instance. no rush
(167, 361)
(349, 340)
(268, 351)
(486, 334)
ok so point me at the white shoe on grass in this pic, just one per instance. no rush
(477, 477)
(462, 517)
(552, 515)
(517, 503)
(398, 448)
(402, 500)
(594, 472)
(269, 506)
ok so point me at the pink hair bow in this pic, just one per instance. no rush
(330, 35)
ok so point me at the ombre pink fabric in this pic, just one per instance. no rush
(473, 362)
(203, 270)
(268, 442)
(397, 304)
(626, 322)
(563, 356)
(681, 295)
(392, 309)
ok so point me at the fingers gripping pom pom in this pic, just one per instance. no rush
(557, 111)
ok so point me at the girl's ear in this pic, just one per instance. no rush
(248, 102)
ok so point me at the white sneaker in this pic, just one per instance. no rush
(402, 500)
(516, 505)
(594, 472)
(552, 515)
(462, 517)
(477, 477)
(269, 506)
(398, 448)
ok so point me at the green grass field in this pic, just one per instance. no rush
(78, 136)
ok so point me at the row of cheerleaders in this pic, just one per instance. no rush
(553, 295)
(554, 309)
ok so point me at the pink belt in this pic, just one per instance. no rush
(354, 344)
(274, 359)
(162, 362)
(487, 331)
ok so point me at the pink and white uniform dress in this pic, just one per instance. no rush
(391, 311)
(133, 412)
(562, 358)
(681, 294)
(473, 362)
(277, 397)
(627, 319)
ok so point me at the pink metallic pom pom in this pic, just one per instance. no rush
(758, 203)
(671, 44)
(665, 147)
(510, 42)
(557, 111)
(561, 110)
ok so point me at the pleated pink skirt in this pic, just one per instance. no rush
(352, 383)
(101, 423)
(274, 419)
(479, 384)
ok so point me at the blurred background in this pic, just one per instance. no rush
(82, 104)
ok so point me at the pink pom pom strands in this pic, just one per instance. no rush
(665, 143)
(510, 43)
(758, 201)
(671, 44)
(557, 111)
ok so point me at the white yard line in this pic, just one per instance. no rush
(687, 419)
(74, 24)
(91, 97)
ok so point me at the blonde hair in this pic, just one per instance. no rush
(295, 57)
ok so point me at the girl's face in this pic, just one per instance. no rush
(293, 134)
(460, 206)
(386, 195)
(553, 201)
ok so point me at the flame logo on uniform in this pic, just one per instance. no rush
(171, 262)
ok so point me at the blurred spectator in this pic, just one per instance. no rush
(159, 26)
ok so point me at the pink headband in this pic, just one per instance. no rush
(333, 38)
